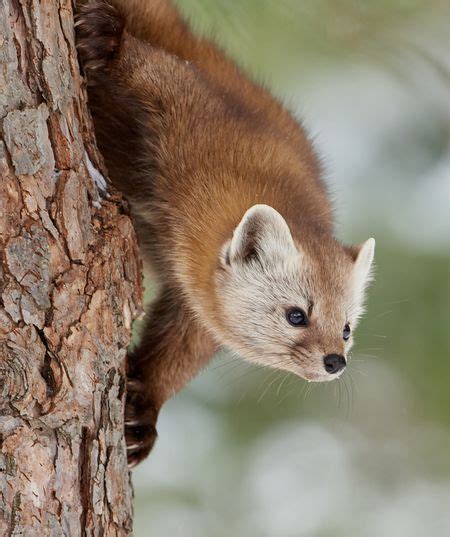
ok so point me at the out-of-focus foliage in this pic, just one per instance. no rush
(268, 35)
(255, 453)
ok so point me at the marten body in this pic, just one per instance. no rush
(231, 212)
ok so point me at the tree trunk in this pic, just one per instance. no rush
(70, 287)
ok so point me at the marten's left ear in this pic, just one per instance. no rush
(363, 261)
(262, 234)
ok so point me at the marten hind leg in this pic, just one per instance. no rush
(173, 348)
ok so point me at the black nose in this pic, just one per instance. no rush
(334, 363)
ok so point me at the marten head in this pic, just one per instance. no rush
(291, 303)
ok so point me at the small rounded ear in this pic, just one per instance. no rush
(363, 259)
(224, 254)
(262, 234)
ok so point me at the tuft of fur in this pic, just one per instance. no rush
(228, 202)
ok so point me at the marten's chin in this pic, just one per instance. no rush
(319, 377)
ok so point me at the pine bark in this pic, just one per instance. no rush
(70, 286)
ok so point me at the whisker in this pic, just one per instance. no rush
(365, 355)
(349, 398)
(353, 385)
(255, 368)
(405, 301)
(242, 397)
(360, 372)
(282, 382)
(339, 395)
(387, 312)
(292, 389)
(292, 378)
(308, 390)
(230, 370)
(267, 387)
(227, 362)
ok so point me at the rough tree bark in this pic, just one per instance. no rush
(69, 290)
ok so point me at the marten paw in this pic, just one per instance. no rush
(140, 422)
(99, 30)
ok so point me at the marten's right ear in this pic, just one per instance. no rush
(262, 235)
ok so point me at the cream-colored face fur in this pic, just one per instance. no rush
(264, 272)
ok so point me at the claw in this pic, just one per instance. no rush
(140, 420)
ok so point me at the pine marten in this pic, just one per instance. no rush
(230, 209)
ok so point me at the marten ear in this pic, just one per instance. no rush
(362, 268)
(262, 235)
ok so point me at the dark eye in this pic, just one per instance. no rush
(296, 317)
(346, 332)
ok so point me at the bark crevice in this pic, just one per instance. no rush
(70, 286)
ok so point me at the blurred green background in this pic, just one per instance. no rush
(246, 452)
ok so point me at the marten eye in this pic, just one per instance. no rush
(346, 332)
(296, 317)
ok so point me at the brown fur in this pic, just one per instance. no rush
(193, 143)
